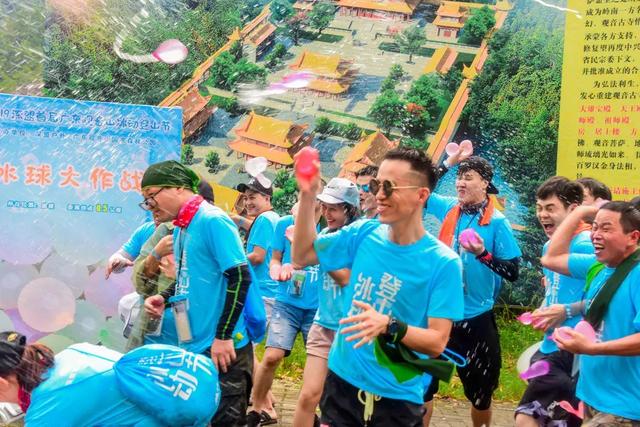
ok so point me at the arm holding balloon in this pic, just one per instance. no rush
(304, 232)
(505, 268)
(578, 343)
(278, 271)
(554, 315)
(118, 262)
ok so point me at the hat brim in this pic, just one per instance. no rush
(244, 187)
(326, 198)
(492, 189)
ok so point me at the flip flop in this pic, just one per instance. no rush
(266, 420)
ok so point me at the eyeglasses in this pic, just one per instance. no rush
(150, 202)
(363, 187)
(387, 187)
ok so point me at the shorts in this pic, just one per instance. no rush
(343, 405)
(595, 418)
(268, 307)
(477, 340)
(286, 322)
(319, 341)
(542, 394)
(235, 387)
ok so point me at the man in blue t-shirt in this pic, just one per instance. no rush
(404, 284)
(609, 380)
(473, 227)
(555, 199)
(125, 256)
(295, 306)
(368, 203)
(260, 236)
(212, 281)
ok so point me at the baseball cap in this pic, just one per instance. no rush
(340, 190)
(255, 185)
(484, 169)
(11, 349)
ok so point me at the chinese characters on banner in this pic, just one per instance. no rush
(600, 102)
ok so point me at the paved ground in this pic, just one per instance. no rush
(448, 412)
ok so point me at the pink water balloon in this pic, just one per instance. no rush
(570, 409)
(586, 329)
(46, 304)
(297, 80)
(537, 369)
(525, 318)
(171, 52)
(562, 333)
(466, 146)
(468, 236)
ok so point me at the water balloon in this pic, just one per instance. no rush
(12, 279)
(586, 329)
(562, 333)
(263, 180)
(468, 236)
(570, 409)
(537, 369)
(467, 147)
(525, 318)
(307, 165)
(46, 304)
(297, 80)
(256, 165)
(451, 148)
(525, 358)
(170, 52)
(87, 323)
(74, 275)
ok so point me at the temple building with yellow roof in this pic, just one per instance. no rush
(257, 36)
(452, 15)
(399, 10)
(276, 140)
(369, 151)
(333, 74)
(195, 113)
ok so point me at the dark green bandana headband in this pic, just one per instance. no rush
(170, 174)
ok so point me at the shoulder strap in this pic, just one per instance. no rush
(592, 273)
(600, 303)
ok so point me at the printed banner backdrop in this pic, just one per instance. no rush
(600, 103)
(70, 175)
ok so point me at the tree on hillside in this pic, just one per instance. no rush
(236, 50)
(410, 40)
(425, 91)
(285, 193)
(396, 72)
(212, 161)
(295, 24)
(187, 154)
(281, 10)
(226, 72)
(387, 110)
(321, 16)
(476, 27)
(417, 143)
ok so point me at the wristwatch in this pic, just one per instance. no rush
(392, 328)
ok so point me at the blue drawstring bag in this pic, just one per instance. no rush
(254, 314)
(176, 386)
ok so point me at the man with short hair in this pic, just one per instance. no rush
(259, 236)
(489, 254)
(212, 280)
(594, 190)
(609, 380)
(405, 285)
(367, 200)
(556, 198)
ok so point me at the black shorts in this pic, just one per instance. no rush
(542, 394)
(342, 405)
(478, 341)
(235, 388)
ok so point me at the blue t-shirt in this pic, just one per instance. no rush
(561, 289)
(481, 284)
(138, 239)
(81, 390)
(305, 296)
(611, 384)
(261, 235)
(331, 303)
(412, 282)
(208, 247)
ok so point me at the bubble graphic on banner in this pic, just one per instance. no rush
(106, 293)
(87, 323)
(111, 334)
(20, 326)
(46, 304)
(6, 324)
(85, 240)
(74, 275)
(57, 343)
(12, 279)
(25, 241)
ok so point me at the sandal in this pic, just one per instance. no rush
(266, 420)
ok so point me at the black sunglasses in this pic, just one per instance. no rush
(387, 187)
(149, 202)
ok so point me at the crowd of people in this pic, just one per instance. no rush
(385, 309)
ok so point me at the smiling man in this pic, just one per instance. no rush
(367, 200)
(404, 284)
(609, 381)
(556, 198)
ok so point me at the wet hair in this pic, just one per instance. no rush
(629, 214)
(420, 162)
(206, 191)
(367, 171)
(29, 362)
(636, 202)
(568, 192)
(597, 189)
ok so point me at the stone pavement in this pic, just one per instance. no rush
(448, 412)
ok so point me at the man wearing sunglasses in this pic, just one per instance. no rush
(212, 281)
(368, 203)
(404, 285)
(489, 253)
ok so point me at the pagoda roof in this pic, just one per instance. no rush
(322, 65)
(271, 131)
(253, 150)
(400, 6)
(369, 151)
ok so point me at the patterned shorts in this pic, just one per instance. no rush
(595, 418)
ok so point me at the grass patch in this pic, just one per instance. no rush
(464, 58)
(314, 36)
(393, 47)
(514, 338)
